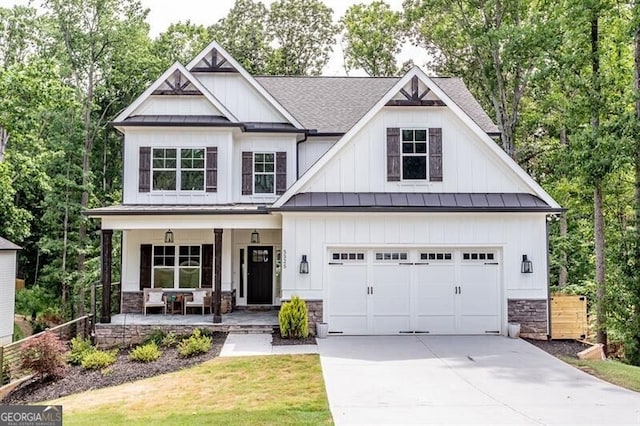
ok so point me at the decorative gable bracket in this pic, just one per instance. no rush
(214, 62)
(415, 98)
(177, 84)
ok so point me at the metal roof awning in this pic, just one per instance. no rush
(170, 210)
(417, 202)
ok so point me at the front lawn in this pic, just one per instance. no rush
(242, 391)
(614, 372)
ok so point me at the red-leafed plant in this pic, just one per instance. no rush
(44, 356)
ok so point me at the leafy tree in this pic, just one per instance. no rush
(181, 42)
(304, 33)
(373, 36)
(243, 33)
(496, 46)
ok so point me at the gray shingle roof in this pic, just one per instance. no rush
(419, 202)
(8, 245)
(335, 104)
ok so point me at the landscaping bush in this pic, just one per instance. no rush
(293, 319)
(195, 344)
(171, 340)
(6, 375)
(145, 353)
(79, 349)
(97, 360)
(44, 356)
(156, 336)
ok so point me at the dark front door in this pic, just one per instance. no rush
(260, 276)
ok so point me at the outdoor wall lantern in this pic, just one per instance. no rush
(255, 237)
(168, 237)
(527, 265)
(304, 265)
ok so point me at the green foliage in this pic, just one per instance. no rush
(5, 375)
(44, 356)
(33, 301)
(145, 353)
(373, 36)
(171, 340)
(156, 336)
(194, 344)
(293, 319)
(80, 348)
(98, 360)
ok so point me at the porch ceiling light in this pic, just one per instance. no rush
(527, 265)
(168, 237)
(255, 237)
(304, 265)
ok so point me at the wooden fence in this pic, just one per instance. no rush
(568, 317)
(10, 354)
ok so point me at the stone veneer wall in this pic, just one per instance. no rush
(132, 302)
(532, 315)
(314, 313)
(109, 335)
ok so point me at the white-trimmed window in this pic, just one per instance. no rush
(181, 268)
(414, 154)
(264, 173)
(178, 168)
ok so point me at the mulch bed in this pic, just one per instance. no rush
(279, 341)
(568, 348)
(78, 379)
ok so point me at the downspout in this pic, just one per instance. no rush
(306, 136)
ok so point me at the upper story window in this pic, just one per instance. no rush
(178, 168)
(414, 154)
(264, 172)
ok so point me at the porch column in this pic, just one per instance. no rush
(106, 253)
(217, 274)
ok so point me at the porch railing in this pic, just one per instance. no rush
(96, 298)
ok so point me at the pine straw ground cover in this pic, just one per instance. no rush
(224, 391)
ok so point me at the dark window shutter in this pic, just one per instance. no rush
(435, 155)
(144, 177)
(393, 154)
(281, 172)
(207, 266)
(247, 173)
(145, 266)
(212, 169)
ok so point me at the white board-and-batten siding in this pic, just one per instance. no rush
(7, 290)
(312, 150)
(468, 165)
(240, 98)
(176, 105)
(515, 234)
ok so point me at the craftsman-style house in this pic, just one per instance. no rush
(385, 203)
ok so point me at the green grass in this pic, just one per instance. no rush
(17, 333)
(283, 390)
(618, 373)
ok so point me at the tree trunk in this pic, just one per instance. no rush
(562, 273)
(4, 141)
(601, 289)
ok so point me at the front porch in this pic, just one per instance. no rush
(131, 329)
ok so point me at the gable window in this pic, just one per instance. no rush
(414, 154)
(178, 168)
(176, 268)
(264, 173)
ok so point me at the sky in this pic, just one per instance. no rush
(162, 13)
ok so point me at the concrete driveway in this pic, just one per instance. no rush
(463, 380)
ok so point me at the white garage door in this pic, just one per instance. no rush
(382, 291)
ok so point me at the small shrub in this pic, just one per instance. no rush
(293, 319)
(79, 349)
(44, 356)
(97, 360)
(6, 375)
(145, 353)
(156, 336)
(195, 344)
(171, 340)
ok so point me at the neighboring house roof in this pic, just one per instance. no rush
(335, 104)
(161, 210)
(416, 202)
(8, 245)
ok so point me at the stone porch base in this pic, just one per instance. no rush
(532, 315)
